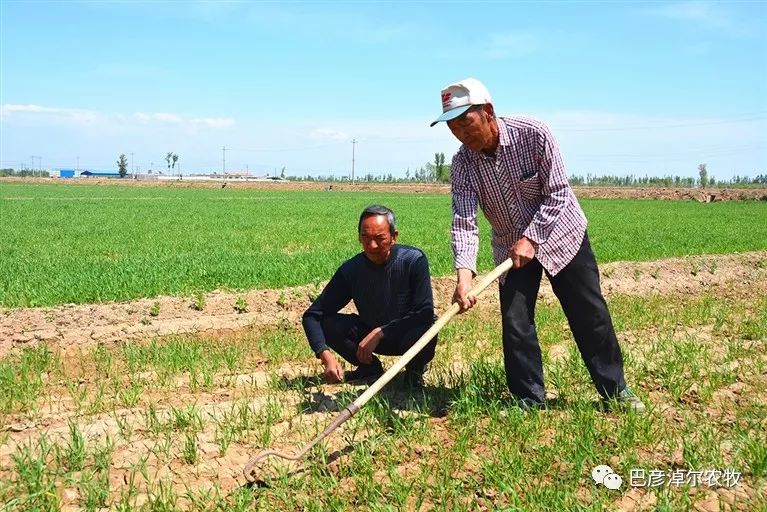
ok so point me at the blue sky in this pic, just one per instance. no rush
(641, 88)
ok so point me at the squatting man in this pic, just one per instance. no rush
(390, 286)
(512, 169)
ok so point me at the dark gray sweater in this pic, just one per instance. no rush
(395, 296)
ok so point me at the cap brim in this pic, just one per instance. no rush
(452, 114)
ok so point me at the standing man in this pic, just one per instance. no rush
(391, 289)
(512, 169)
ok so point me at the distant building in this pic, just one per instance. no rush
(100, 174)
(66, 173)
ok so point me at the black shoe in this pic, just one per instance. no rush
(624, 401)
(365, 372)
(529, 404)
(413, 379)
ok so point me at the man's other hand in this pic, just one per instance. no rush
(334, 372)
(368, 345)
(462, 287)
(522, 252)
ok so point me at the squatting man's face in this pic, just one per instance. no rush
(376, 239)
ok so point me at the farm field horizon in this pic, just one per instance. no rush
(91, 244)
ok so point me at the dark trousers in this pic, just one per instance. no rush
(577, 288)
(343, 333)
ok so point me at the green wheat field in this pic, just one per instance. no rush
(84, 244)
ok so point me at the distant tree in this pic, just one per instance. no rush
(168, 158)
(282, 173)
(439, 161)
(122, 165)
(703, 173)
(431, 172)
(441, 170)
(174, 159)
(445, 175)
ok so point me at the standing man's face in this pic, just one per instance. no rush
(376, 239)
(476, 128)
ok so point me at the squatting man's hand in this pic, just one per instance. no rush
(334, 372)
(522, 252)
(368, 345)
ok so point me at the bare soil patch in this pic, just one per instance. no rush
(663, 193)
(159, 452)
(74, 327)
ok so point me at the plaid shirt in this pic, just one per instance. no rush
(523, 191)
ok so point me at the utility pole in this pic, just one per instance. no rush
(223, 169)
(39, 165)
(354, 142)
(132, 169)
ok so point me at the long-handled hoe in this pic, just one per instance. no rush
(384, 379)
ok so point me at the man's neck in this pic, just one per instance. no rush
(490, 151)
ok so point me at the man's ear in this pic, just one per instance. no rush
(488, 109)
(394, 236)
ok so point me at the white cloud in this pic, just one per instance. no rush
(76, 115)
(213, 122)
(496, 46)
(164, 117)
(57, 115)
(707, 15)
(328, 134)
(7, 109)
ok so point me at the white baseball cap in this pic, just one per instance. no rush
(459, 97)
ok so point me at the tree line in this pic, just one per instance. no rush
(631, 180)
(23, 173)
(437, 171)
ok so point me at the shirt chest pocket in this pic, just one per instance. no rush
(530, 186)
